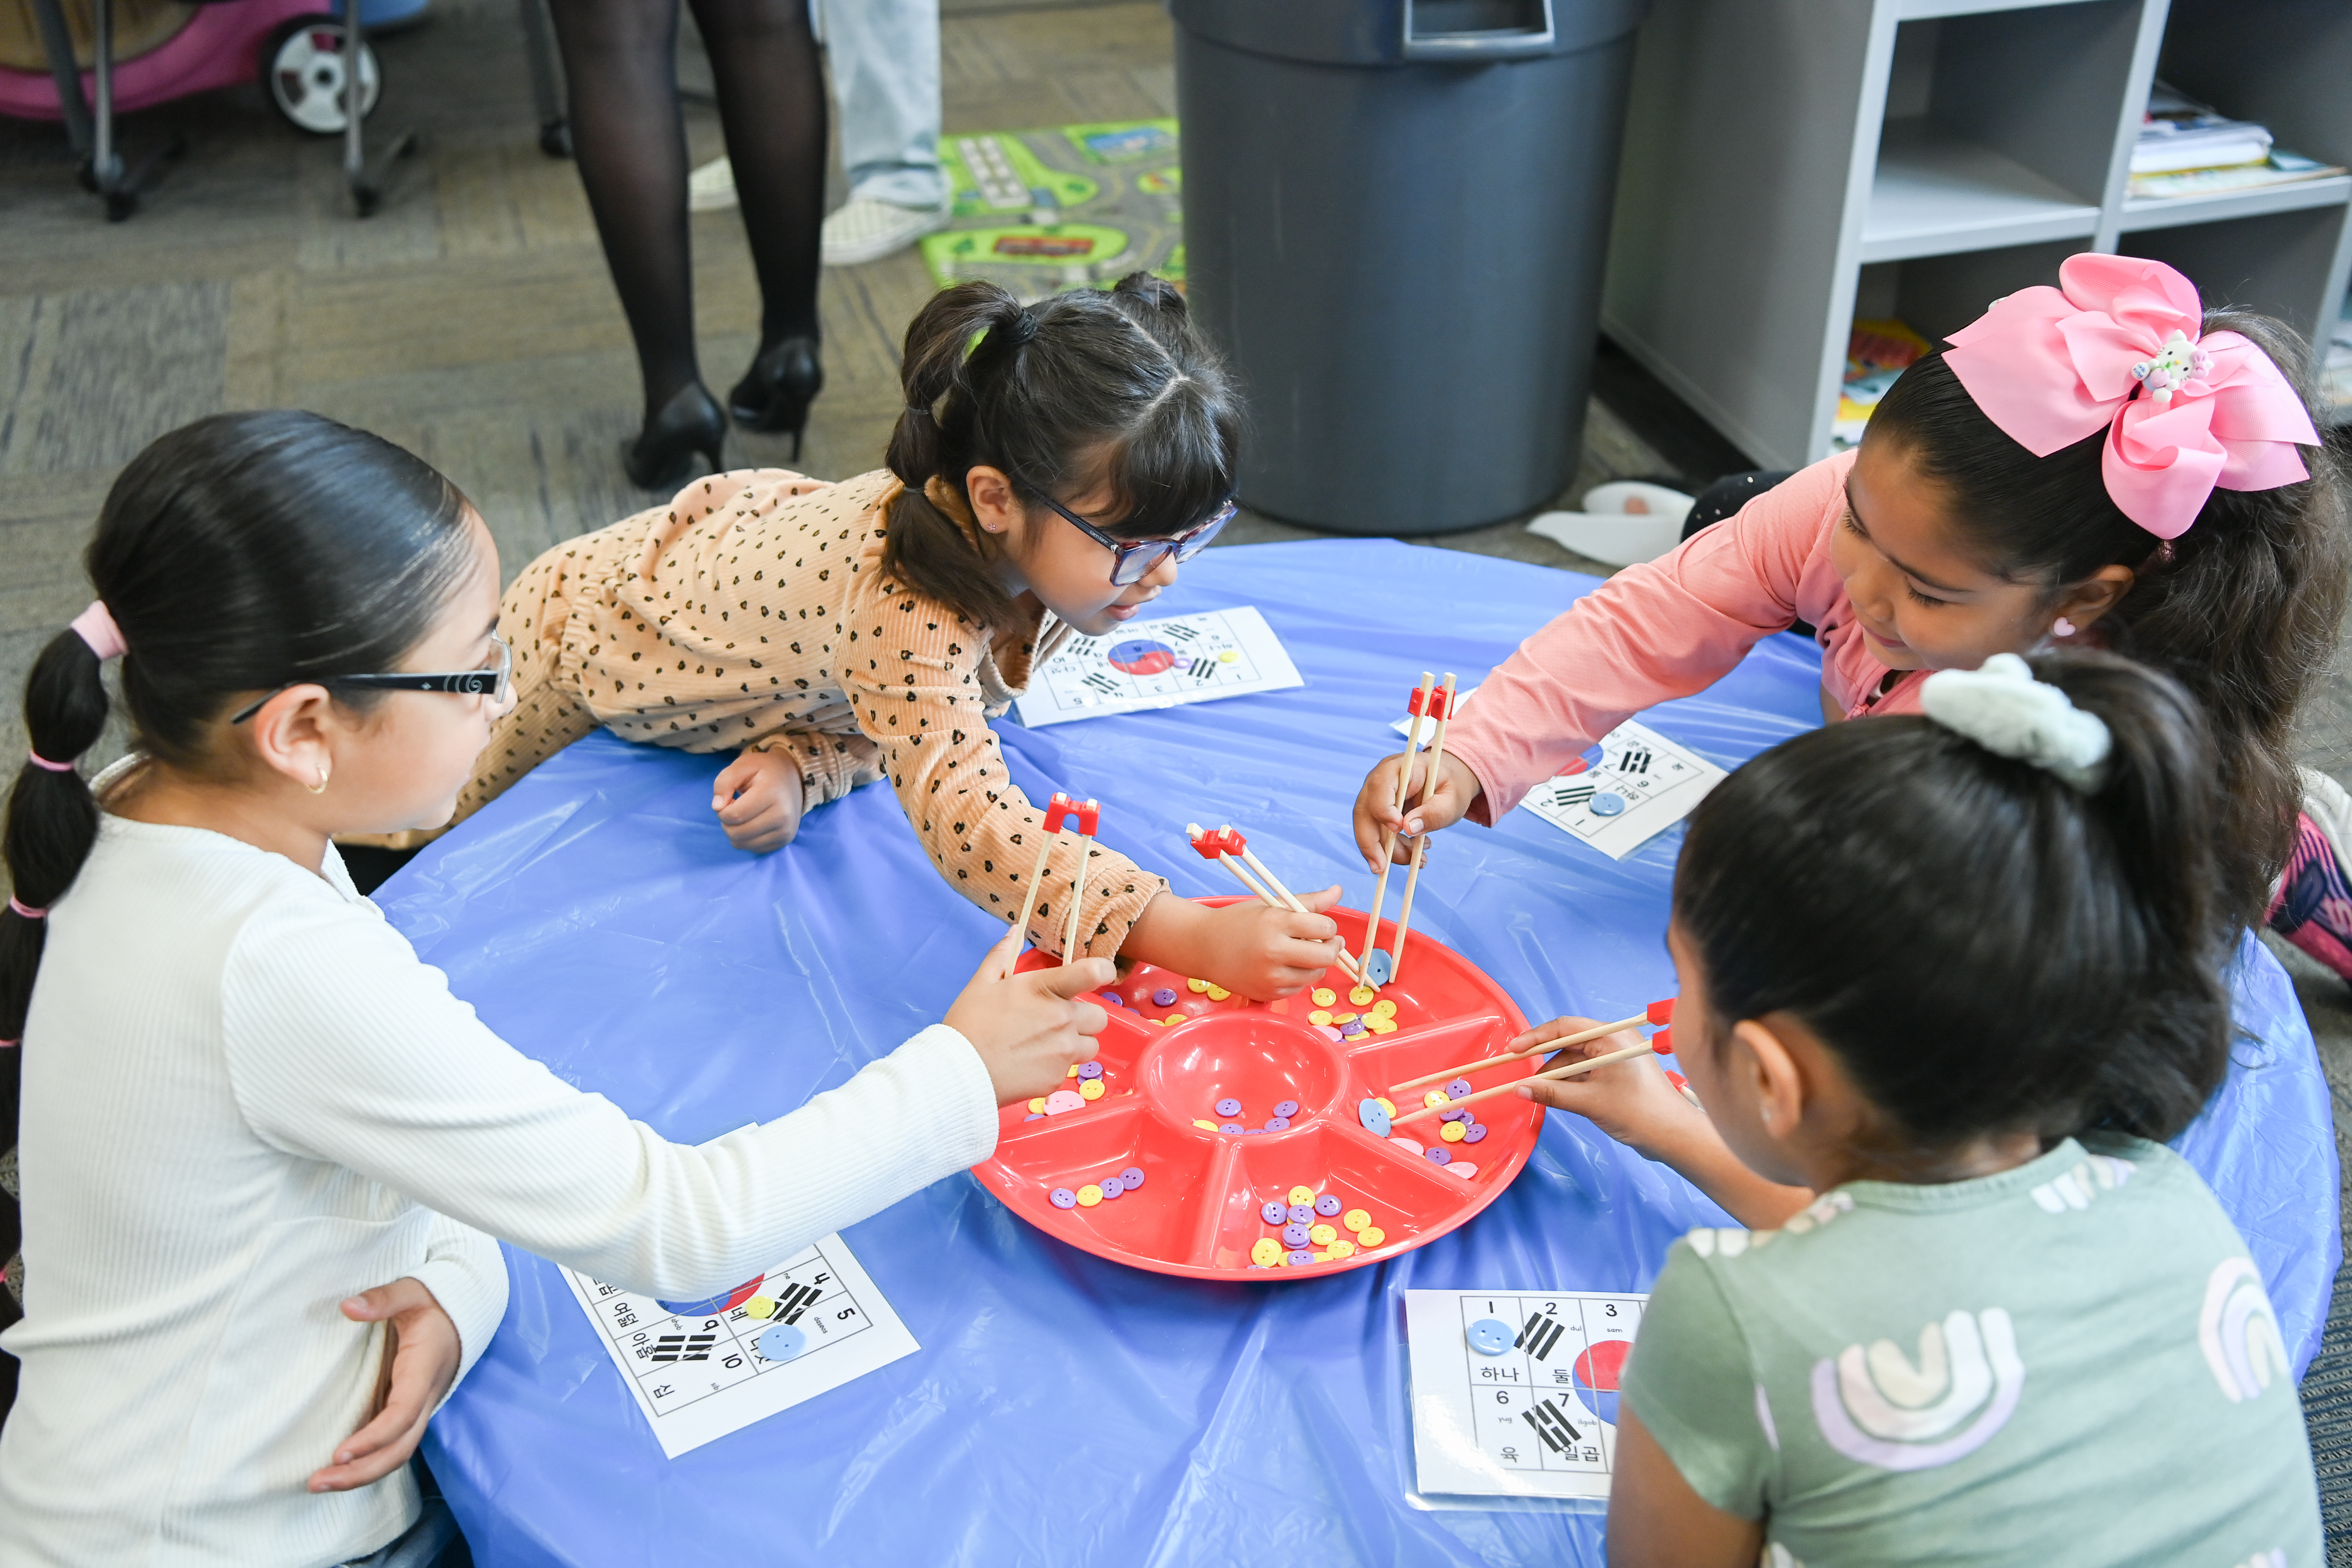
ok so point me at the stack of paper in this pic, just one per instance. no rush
(2179, 132)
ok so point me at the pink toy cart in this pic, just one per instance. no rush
(297, 47)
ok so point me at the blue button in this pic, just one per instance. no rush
(1326, 1206)
(1286, 1108)
(1133, 1175)
(1375, 1119)
(1381, 970)
(1063, 1198)
(1608, 803)
(1229, 1107)
(1490, 1336)
(782, 1343)
(1274, 1214)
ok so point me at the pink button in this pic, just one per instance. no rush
(1063, 1099)
(1398, 1138)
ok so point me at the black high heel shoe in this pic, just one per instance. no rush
(690, 422)
(775, 392)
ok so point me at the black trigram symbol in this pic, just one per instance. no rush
(1202, 668)
(1180, 631)
(1552, 1427)
(1636, 761)
(792, 1303)
(1571, 795)
(1540, 1335)
(1102, 683)
(683, 1347)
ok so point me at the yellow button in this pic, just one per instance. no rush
(1038, 1107)
(1370, 1236)
(1380, 1024)
(1218, 993)
(1196, 986)
(1210, 1125)
(1089, 1196)
(1301, 1195)
(1318, 1017)
(1437, 1096)
(1343, 1249)
(1322, 1234)
(1362, 994)
(1388, 1106)
(1323, 996)
(1384, 1009)
(759, 1307)
(1171, 1021)
(1266, 1252)
(1355, 1219)
(1453, 1133)
(1322, 1258)
(1224, 655)
(1092, 1088)
(1073, 1072)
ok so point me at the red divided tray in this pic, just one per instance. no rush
(1198, 1210)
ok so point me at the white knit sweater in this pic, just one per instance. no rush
(245, 1099)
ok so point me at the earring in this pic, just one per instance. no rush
(2062, 628)
(321, 787)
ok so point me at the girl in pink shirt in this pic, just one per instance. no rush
(2101, 462)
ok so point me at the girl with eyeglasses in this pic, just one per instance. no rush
(263, 1151)
(1054, 464)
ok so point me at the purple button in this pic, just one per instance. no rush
(1302, 1255)
(1163, 997)
(1294, 1234)
(1438, 1156)
(1459, 1088)
(1286, 1108)
(1132, 1177)
(1455, 1113)
(1302, 1213)
(1113, 1187)
(1229, 1107)
(1277, 1123)
(1478, 1131)
(1352, 1028)
(1035, 1116)
(1274, 1214)
(1328, 1205)
(1229, 1127)
(1063, 1198)
(1113, 999)
(1090, 1069)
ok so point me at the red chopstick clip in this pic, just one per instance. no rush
(1223, 841)
(1059, 810)
(1088, 815)
(1663, 1042)
(1663, 1012)
(1430, 704)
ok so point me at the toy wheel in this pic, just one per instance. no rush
(304, 66)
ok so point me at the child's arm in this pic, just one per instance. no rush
(1633, 1102)
(427, 1353)
(774, 781)
(1656, 1519)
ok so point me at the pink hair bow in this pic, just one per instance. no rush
(2119, 343)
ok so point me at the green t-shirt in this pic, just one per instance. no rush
(2071, 1362)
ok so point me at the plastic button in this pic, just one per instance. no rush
(1384, 1008)
(1229, 1107)
(1375, 1119)
(1278, 1124)
(1132, 1177)
(1113, 999)
(781, 1341)
(1294, 1235)
(1113, 1187)
(1476, 1131)
(1196, 986)
(1299, 1213)
(1387, 1107)
(1458, 1089)
(1438, 1156)
(1327, 1031)
(1355, 1219)
(1265, 1253)
(1073, 1072)
(1411, 1145)
(1302, 1195)
(1205, 1126)
(1343, 1248)
(1380, 1024)
(1352, 1028)
(1437, 1096)
(1462, 1168)
(1164, 997)
(1323, 995)
(1371, 1236)
(1035, 1116)
(1171, 1021)
(1063, 1099)
(1454, 1113)
(1451, 1133)
(1038, 1105)
(1063, 1198)
(1319, 1017)
(1218, 993)
(1322, 1234)
(1300, 1255)
(1490, 1336)
(1286, 1108)
(1274, 1214)
(1230, 1127)
(1326, 1206)
(1362, 995)
(1089, 1196)
(1344, 1018)
(1089, 1069)
(1090, 1088)
(1608, 803)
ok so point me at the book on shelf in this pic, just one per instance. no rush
(2178, 133)
(1875, 354)
(2280, 168)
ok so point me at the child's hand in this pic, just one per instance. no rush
(1426, 810)
(422, 1343)
(759, 800)
(1632, 1101)
(1028, 1028)
(1264, 952)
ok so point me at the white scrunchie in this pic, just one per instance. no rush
(2003, 709)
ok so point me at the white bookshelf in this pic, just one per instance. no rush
(1794, 164)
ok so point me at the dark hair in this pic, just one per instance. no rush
(241, 552)
(1077, 389)
(2242, 609)
(1985, 947)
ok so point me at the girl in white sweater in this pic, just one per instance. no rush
(245, 1102)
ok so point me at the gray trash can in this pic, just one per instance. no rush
(1395, 217)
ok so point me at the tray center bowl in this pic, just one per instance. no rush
(1261, 1060)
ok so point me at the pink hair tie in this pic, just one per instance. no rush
(95, 625)
(2120, 343)
(26, 910)
(40, 761)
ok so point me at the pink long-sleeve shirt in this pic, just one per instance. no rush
(1671, 627)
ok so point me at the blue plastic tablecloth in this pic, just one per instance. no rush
(1065, 1409)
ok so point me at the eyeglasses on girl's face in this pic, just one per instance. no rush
(492, 681)
(1133, 560)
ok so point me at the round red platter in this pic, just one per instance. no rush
(1199, 1210)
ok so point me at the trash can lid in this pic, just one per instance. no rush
(1411, 32)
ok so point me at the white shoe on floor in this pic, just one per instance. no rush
(863, 229)
(711, 188)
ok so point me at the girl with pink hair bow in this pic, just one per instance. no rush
(2100, 463)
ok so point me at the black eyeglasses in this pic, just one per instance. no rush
(490, 681)
(1134, 560)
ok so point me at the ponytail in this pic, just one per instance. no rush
(1985, 947)
(52, 819)
(2242, 609)
(1076, 390)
